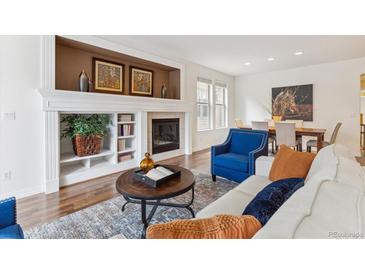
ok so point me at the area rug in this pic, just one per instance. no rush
(106, 220)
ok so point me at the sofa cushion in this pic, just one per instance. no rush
(234, 161)
(235, 200)
(217, 227)
(290, 164)
(324, 166)
(11, 232)
(271, 198)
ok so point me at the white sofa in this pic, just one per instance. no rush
(331, 204)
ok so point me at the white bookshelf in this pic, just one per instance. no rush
(74, 169)
(126, 142)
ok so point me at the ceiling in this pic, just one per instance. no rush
(229, 54)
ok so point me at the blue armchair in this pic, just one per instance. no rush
(235, 158)
(9, 229)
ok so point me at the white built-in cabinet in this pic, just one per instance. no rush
(119, 151)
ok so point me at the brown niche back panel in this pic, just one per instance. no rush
(72, 57)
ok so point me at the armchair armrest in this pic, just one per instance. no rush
(7, 212)
(219, 149)
(260, 151)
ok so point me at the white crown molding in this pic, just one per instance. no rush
(69, 101)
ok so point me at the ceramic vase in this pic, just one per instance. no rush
(163, 91)
(147, 163)
(84, 82)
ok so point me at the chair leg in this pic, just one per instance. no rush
(273, 147)
(214, 178)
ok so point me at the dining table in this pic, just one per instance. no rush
(300, 132)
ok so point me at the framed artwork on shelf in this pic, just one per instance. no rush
(141, 81)
(108, 76)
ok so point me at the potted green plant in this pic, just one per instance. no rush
(86, 132)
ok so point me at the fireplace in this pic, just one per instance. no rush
(165, 135)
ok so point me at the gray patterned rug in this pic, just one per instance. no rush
(106, 220)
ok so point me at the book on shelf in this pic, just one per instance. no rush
(125, 157)
(126, 130)
(121, 144)
(125, 118)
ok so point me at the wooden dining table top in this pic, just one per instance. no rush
(300, 131)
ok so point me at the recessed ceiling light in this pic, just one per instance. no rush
(298, 53)
(247, 63)
(270, 59)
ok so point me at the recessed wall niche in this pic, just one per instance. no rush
(72, 57)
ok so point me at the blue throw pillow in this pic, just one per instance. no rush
(268, 200)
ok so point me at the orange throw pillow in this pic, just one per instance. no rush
(217, 227)
(289, 163)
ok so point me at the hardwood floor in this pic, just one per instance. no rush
(42, 208)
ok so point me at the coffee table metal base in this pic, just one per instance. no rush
(156, 203)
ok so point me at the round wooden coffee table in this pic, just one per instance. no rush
(137, 192)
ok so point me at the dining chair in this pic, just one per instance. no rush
(264, 125)
(271, 122)
(239, 123)
(313, 143)
(285, 135)
(298, 124)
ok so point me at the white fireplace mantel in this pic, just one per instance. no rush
(69, 101)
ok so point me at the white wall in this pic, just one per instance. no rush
(204, 139)
(21, 140)
(336, 96)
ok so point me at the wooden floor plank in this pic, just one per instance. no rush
(42, 208)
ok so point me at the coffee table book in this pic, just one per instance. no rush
(140, 175)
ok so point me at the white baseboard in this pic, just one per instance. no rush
(18, 194)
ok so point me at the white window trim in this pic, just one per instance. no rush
(212, 105)
(225, 104)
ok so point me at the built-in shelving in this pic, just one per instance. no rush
(74, 56)
(126, 136)
(71, 157)
(118, 152)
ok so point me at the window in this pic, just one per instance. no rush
(211, 106)
(204, 104)
(220, 98)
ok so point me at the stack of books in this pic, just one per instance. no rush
(126, 130)
(125, 118)
(125, 157)
(121, 144)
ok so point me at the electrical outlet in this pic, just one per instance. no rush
(6, 176)
(8, 116)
